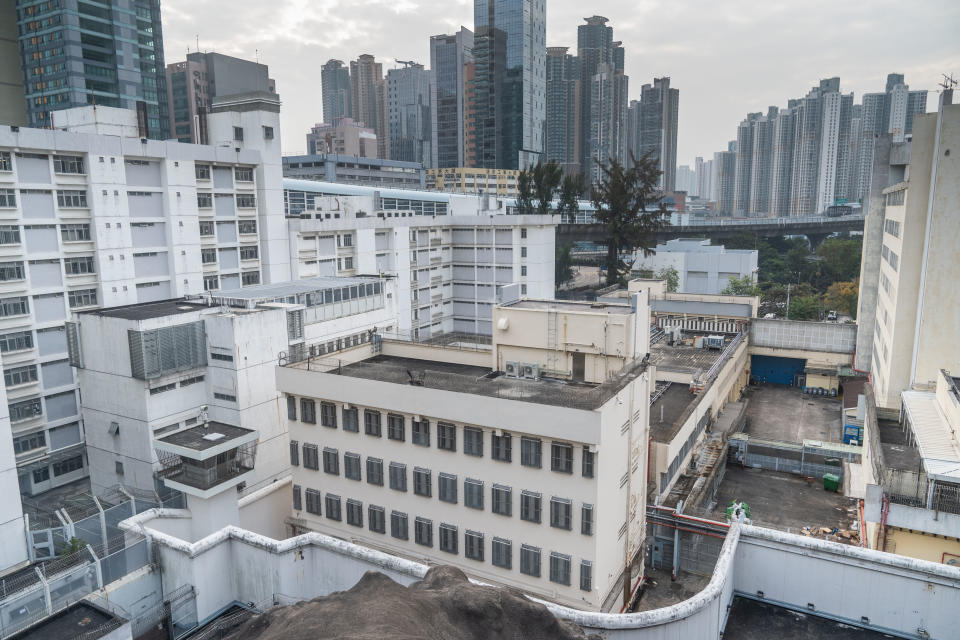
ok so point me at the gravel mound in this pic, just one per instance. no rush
(443, 605)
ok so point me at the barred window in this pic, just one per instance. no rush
(247, 201)
(501, 447)
(355, 513)
(530, 560)
(17, 341)
(376, 517)
(202, 171)
(308, 411)
(560, 513)
(502, 500)
(68, 164)
(446, 436)
(448, 538)
(447, 487)
(586, 575)
(311, 457)
(395, 427)
(9, 234)
(72, 199)
(473, 493)
(586, 520)
(19, 306)
(398, 525)
(371, 423)
(375, 471)
(11, 271)
(5, 164)
(502, 552)
(423, 531)
(204, 200)
(398, 476)
(331, 461)
(313, 501)
(473, 545)
(530, 452)
(421, 482)
(589, 460)
(249, 253)
(421, 432)
(472, 441)
(8, 198)
(206, 228)
(328, 415)
(243, 174)
(25, 409)
(530, 506)
(350, 420)
(20, 375)
(294, 453)
(559, 568)
(79, 266)
(332, 503)
(297, 498)
(75, 232)
(247, 226)
(291, 407)
(351, 466)
(208, 256)
(82, 298)
(211, 283)
(250, 277)
(561, 457)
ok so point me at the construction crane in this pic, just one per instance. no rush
(408, 63)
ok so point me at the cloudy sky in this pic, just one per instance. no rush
(727, 58)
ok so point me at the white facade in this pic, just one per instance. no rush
(917, 313)
(230, 371)
(447, 267)
(702, 268)
(104, 218)
(13, 551)
(523, 482)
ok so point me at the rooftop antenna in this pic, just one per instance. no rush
(407, 63)
(198, 43)
(947, 84)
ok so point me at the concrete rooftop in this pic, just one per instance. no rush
(782, 413)
(461, 378)
(674, 403)
(148, 310)
(682, 359)
(567, 305)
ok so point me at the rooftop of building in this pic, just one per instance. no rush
(482, 381)
(339, 189)
(569, 305)
(897, 451)
(148, 310)
(935, 439)
(206, 436)
(295, 161)
(683, 358)
(81, 618)
(673, 403)
(278, 290)
(751, 619)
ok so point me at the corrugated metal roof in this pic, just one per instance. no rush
(936, 442)
(696, 308)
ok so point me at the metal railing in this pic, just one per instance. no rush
(916, 489)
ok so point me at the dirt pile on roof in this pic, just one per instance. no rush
(443, 605)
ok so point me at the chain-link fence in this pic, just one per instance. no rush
(916, 489)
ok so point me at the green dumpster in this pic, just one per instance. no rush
(831, 482)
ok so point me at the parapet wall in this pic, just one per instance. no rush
(803, 336)
(861, 587)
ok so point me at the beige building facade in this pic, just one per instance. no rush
(500, 182)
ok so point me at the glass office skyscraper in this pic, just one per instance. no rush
(77, 53)
(449, 57)
(510, 82)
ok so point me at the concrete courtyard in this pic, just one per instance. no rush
(782, 413)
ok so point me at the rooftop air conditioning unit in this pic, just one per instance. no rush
(512, 370)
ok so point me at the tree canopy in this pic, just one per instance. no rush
(629, 203)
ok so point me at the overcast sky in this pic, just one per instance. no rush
(727, 58)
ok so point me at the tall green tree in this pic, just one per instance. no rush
(628, 203)
(544, 189)
(672, 276)
(563, 271)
